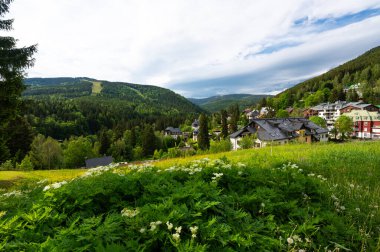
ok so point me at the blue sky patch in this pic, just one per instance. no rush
(325, 24)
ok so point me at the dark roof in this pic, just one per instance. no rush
(173, 130)
(273, 129)
(195, 123)
(95, 162)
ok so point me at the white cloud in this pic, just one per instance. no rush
(167, 42)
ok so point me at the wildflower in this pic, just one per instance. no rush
(129, 213)
(352, 185)
(55, 185)
(357, 209)
(297, 238)
(217, 175)
(262, 204)
(194, 236)
(334, 197)
(142, 230)
(290, 241)
(301, 250)
(13, 193)
(311, 175)
(342, 208)
(307, 240)
(42, 181)
(170, 225)
(194, 229)
(319, 176)
(153, 226)
(176, 237)
(178, 229)
(240, 173)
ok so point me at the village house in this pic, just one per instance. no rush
(173, 132)
(251, 114)
(280, 131)
(366, 124)
(331, 111)
(195, 127)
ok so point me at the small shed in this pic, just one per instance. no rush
(95, 162)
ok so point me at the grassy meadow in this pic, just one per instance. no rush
(321, 197)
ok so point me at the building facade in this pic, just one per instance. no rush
(366, 124)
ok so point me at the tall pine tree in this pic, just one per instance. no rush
(224, 116)
(203, 138)
(13, 62)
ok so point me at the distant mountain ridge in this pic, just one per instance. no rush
(219, 102)
(61, 107)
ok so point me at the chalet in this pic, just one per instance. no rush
(366, 124)
(280, 131)
(173, 132)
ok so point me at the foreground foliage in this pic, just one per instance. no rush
(202, 205)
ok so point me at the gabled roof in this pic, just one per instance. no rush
(173, 130)
(273, 129)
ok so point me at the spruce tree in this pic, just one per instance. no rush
(13, 62)
(148, 140)
(203, 138)
(224, 116)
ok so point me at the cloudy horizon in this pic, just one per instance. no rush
(197, 48)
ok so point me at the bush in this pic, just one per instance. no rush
(220, 146)
(7, 166)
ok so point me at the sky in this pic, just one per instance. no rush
(197, 48)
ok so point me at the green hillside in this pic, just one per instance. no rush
(329, 87)
(322, 197)
(217, 103)
(61, 107)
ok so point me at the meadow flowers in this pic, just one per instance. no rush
(130, 212)
(55, 185)
(170, 225)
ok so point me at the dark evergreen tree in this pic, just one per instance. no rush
(148, 140)
(224, 116)
(203, 137)
(105, 142)
(13, 62)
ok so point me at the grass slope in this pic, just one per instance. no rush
(96, 87)
(288, 198)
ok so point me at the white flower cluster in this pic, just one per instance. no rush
(13, 193)
(176, 235)
(290, 166)
(99, 170)
(154, 225)
(55, 185)
(317, 176)
(338, 206)
(295, 240)
(216, 176)
(146, 167)
(130, 212)
(42, 181)
(194, 231)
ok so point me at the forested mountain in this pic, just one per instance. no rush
(217, 103)
(61, 107)
(329, 87)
